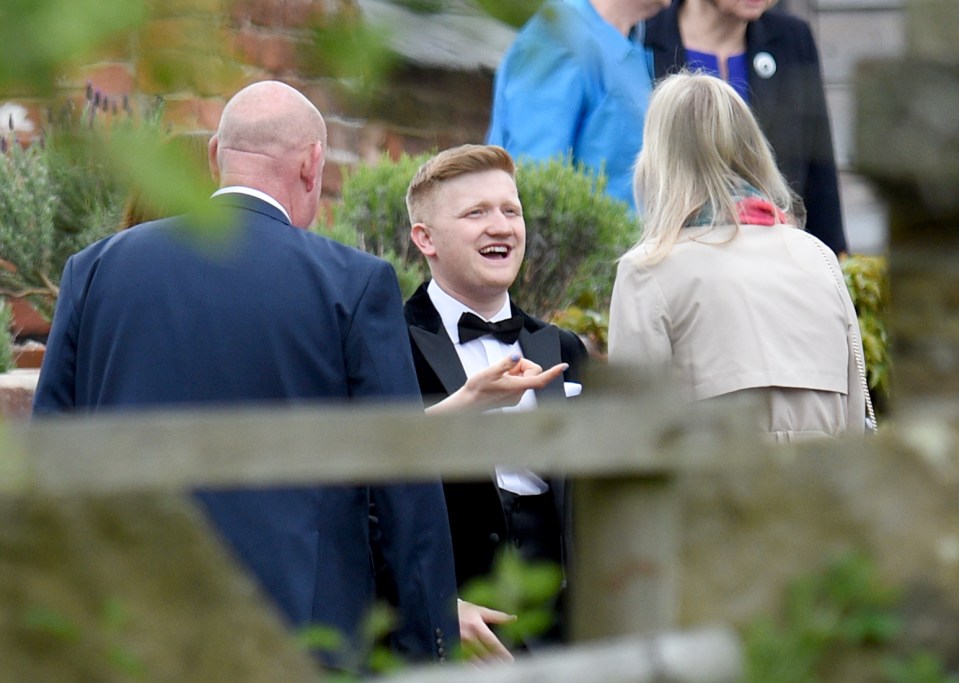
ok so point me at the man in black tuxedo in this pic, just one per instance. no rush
(473, 347)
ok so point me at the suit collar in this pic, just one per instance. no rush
(249, 202)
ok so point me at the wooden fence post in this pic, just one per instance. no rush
(907, 142)
(627, 534)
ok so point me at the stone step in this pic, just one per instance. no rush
(16, 393)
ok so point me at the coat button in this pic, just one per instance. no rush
(439, 633)
(494, 538)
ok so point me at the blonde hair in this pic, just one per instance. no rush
(701, 142)
(448, 164)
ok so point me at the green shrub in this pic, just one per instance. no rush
(6, 337)
(528, 590)
(868, 284)
(574, 232)
(844, 613)
(56, 197)
(372, 216)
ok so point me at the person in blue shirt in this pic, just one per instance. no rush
(577, 81)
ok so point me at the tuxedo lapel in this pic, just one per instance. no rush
(430, 341)
(437, 348)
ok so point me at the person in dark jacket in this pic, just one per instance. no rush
(155, 316)
(771, 59)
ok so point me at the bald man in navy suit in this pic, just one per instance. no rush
(274, 315)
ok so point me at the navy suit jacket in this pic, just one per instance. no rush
(150, 317)
(477, 520)
(789, 104)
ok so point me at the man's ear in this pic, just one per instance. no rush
(423, 239)
(311, 170)
(212, 148)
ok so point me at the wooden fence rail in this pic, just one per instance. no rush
(649, 433)
(701, 656)
(625, 454)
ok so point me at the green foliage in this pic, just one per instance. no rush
(867, 280)
(922, 667)
(374, 206)
(513, 12)
(828, 615)
(422, 6)
(522, 588)
(585, 317)
(574, 232)
(6, 337)
(27, 209)
(39, 37)
(352, 51)
(52, 624)
(374, 654)
(372, 216)
(67, 190)
(51, 204)
(104, 640)
(527, 590)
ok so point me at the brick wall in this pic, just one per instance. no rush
(196, 53)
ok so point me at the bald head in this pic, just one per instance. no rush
(268, 138)
(269, 118)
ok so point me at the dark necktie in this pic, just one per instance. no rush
(473, 327)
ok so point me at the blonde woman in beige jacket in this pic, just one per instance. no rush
(724, 290)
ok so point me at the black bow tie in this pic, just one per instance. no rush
(473, 327)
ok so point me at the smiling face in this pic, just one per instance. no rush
(473, 235)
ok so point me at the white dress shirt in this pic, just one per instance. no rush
(477, 355)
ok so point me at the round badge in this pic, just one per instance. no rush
(764, 64)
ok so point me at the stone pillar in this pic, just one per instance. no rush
(907, 142)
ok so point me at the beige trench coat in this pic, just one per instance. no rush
(760, 310)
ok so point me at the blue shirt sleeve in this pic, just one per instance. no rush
(538, 101)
